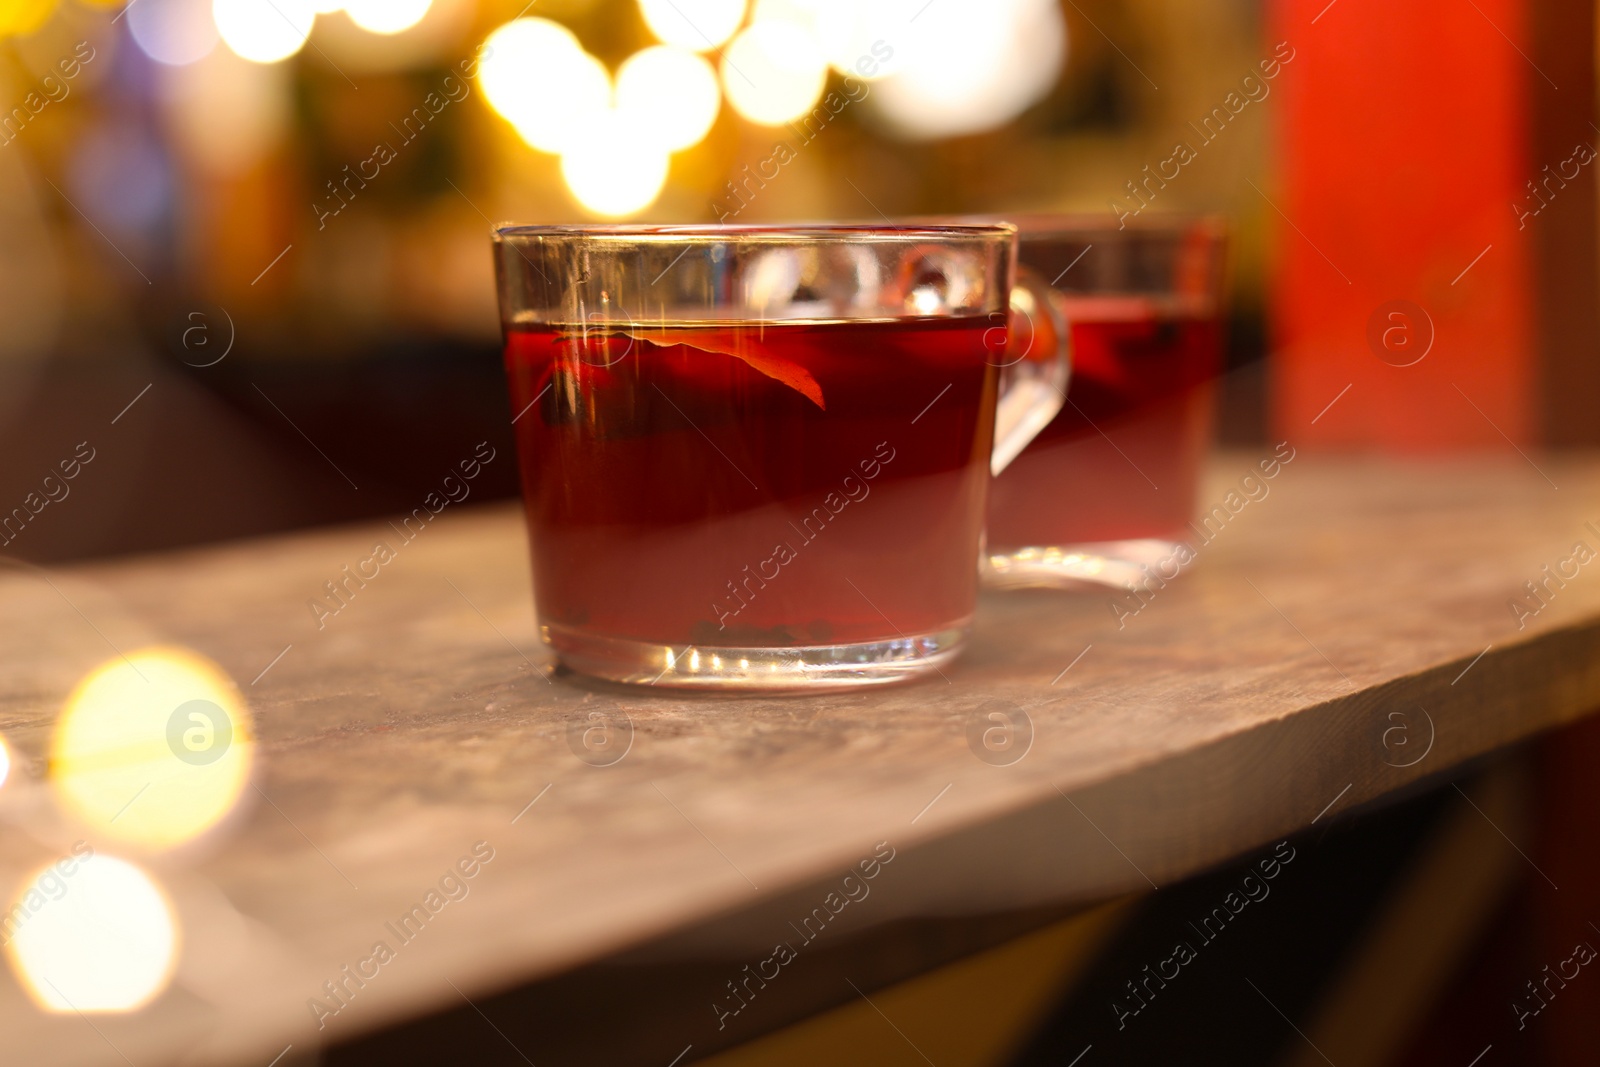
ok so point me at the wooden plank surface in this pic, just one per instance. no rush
(1327, 635)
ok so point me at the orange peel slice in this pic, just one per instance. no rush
(741, 346)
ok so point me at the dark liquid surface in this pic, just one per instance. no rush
(1142, 374)
(740, 486)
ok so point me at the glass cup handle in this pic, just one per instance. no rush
(1037, 365)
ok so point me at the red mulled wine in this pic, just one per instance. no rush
(1122, 459)
(749, 485)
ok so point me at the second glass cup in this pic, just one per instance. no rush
(1107, 492)
(759, 457)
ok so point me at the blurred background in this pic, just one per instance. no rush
(274, 214)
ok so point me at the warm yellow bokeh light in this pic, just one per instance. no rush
(773, 72)
(23, 17)
(387, 16)
(699, 25)
(670, 94)
(264, 31)
(152, 750)
(539, 78)
(91, 934)
(613, 170)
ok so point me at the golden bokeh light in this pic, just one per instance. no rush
(91, 933)
(614, 171)
(264, 31)
(773, 72)
(537, 76)
(23, 17)
(386, 16)
(669, 94)
(699, 25)
(153, 749)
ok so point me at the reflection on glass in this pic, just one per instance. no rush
(153, 749)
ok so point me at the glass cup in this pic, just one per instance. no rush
(1107, 490)
(758, 457)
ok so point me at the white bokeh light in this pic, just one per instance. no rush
(174, 32)
(969, 68)
(806, 13)
(773, 72)
(386, 16)
(612, 170)
(865, 38)
(539, 78)
(264, 31)
(670, 95)
(699, 25)
(97, 935)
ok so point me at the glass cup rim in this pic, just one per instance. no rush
(977, 231)
(1046, 224)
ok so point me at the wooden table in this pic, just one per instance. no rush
(1257, 694)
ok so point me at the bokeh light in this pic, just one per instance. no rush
(613, 170)
(153, 749)
(5, 761)
(174, 32)
(387, 16)
(966, 68)
(699, 25)
(773, 72)
(670, 94)
(539, 78)
(122, 174)
(264, 31)
(22, 17)
(864, 38)
(92, 933)
(804, 13)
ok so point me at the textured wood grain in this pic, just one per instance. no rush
(1249, 698)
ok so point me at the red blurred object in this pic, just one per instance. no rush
(1404, 133)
